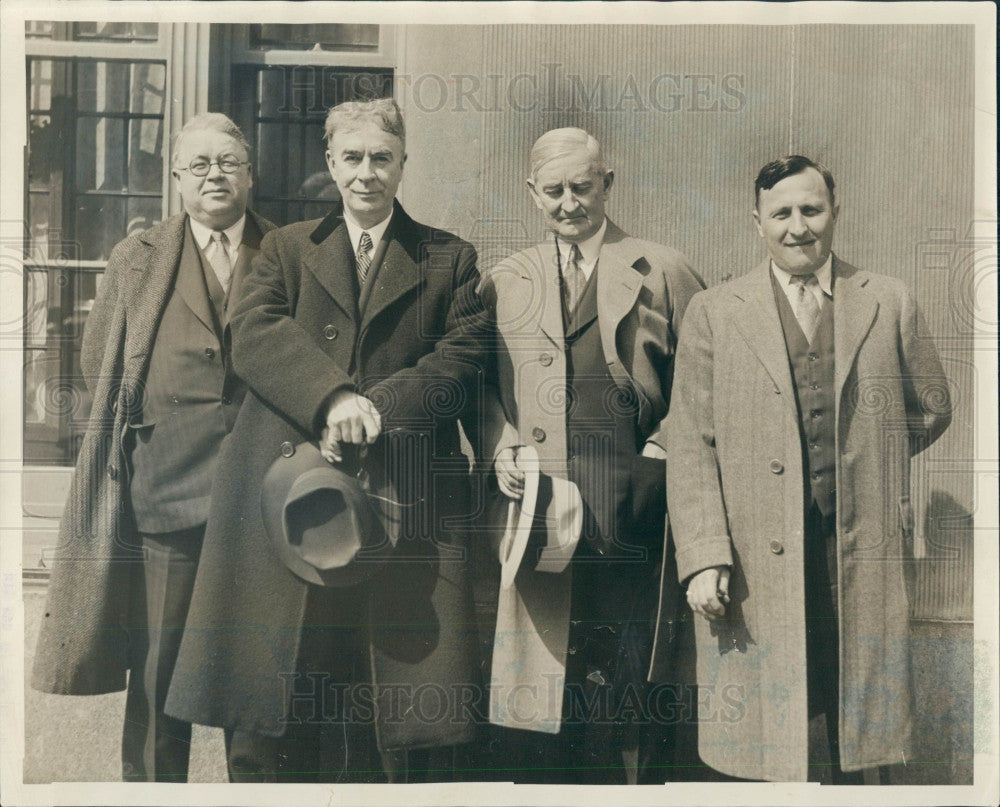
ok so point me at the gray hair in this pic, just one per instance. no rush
(211, 121)
(350, 115)
(557, 143)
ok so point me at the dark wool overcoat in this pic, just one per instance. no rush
(82, 646)
(736, 495)
(417, 351)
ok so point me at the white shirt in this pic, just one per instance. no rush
(822, 289)
(354, 231)
(203, 236)
(590, 250)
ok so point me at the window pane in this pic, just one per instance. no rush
(101, 222)
(143, 213)
(305, 37)
(100, 151)
(38, 223)
(36, 302)
(317, 184)
(148, 83)
(273, 157)
(102, 86)
(37, 29)
(40, 84)
(43, 148)
(271, 94)
(115, 31)
(145, 164)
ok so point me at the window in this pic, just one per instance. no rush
(95, 173)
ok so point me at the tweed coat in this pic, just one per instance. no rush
(737, 497)
(416, 352)
(82, 644)
(643, 291)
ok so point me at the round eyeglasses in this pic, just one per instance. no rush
(228, 164)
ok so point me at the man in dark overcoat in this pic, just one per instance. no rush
(156, 357)
(355, 331)
(802, 390)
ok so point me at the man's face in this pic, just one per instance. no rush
(367, 165)
(571, 194)
(796, 219)
(217, 200)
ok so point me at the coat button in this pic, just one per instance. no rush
(538, 434)
(815, 414)
(209, 353)
(813, 356)
(226, 400)
(776, 547)
(776, 467)
(287, 449)
(330, 332)
(545, 359)
(112, 472)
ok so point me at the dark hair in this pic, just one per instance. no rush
(784, 167)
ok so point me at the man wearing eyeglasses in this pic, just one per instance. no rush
(156, 357)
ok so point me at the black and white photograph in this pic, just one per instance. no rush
(498, 403)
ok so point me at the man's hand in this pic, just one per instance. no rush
(351, 418)
(654, 450)
(708, 592)
(509, 477)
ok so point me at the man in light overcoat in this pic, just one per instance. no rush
(587, 324)
(360, 330)
(156, 357)
(802, 391)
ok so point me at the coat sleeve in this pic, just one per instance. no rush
(682, 283)
(925, 387)
(460, 359)
(694, 487)
(272, 352)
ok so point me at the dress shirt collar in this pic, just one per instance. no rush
(590, 250)
(354, 231)
(824, 279)
(203, 234)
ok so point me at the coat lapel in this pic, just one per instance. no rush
(618, 285)
(398, 272)
(758, 321)
(331, 261)
(151, 282)
(854, 309)
(544, 276)
(191, 284)
(248, 248)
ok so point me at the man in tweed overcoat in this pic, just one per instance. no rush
(802, 390)
(156, 359)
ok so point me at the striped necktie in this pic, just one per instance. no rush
(364, 257)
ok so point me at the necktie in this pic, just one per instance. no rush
(218, 256)
(573, 279)
(364, 256)
(807, 307)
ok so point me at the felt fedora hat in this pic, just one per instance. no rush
(321, 521)
(557, 501)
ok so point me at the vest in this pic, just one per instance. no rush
(189, 404)
(812, 369)
(602, 431)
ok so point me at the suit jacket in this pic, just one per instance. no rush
(417, 350)
(736, 497)
(82, 644)
(643, 290)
